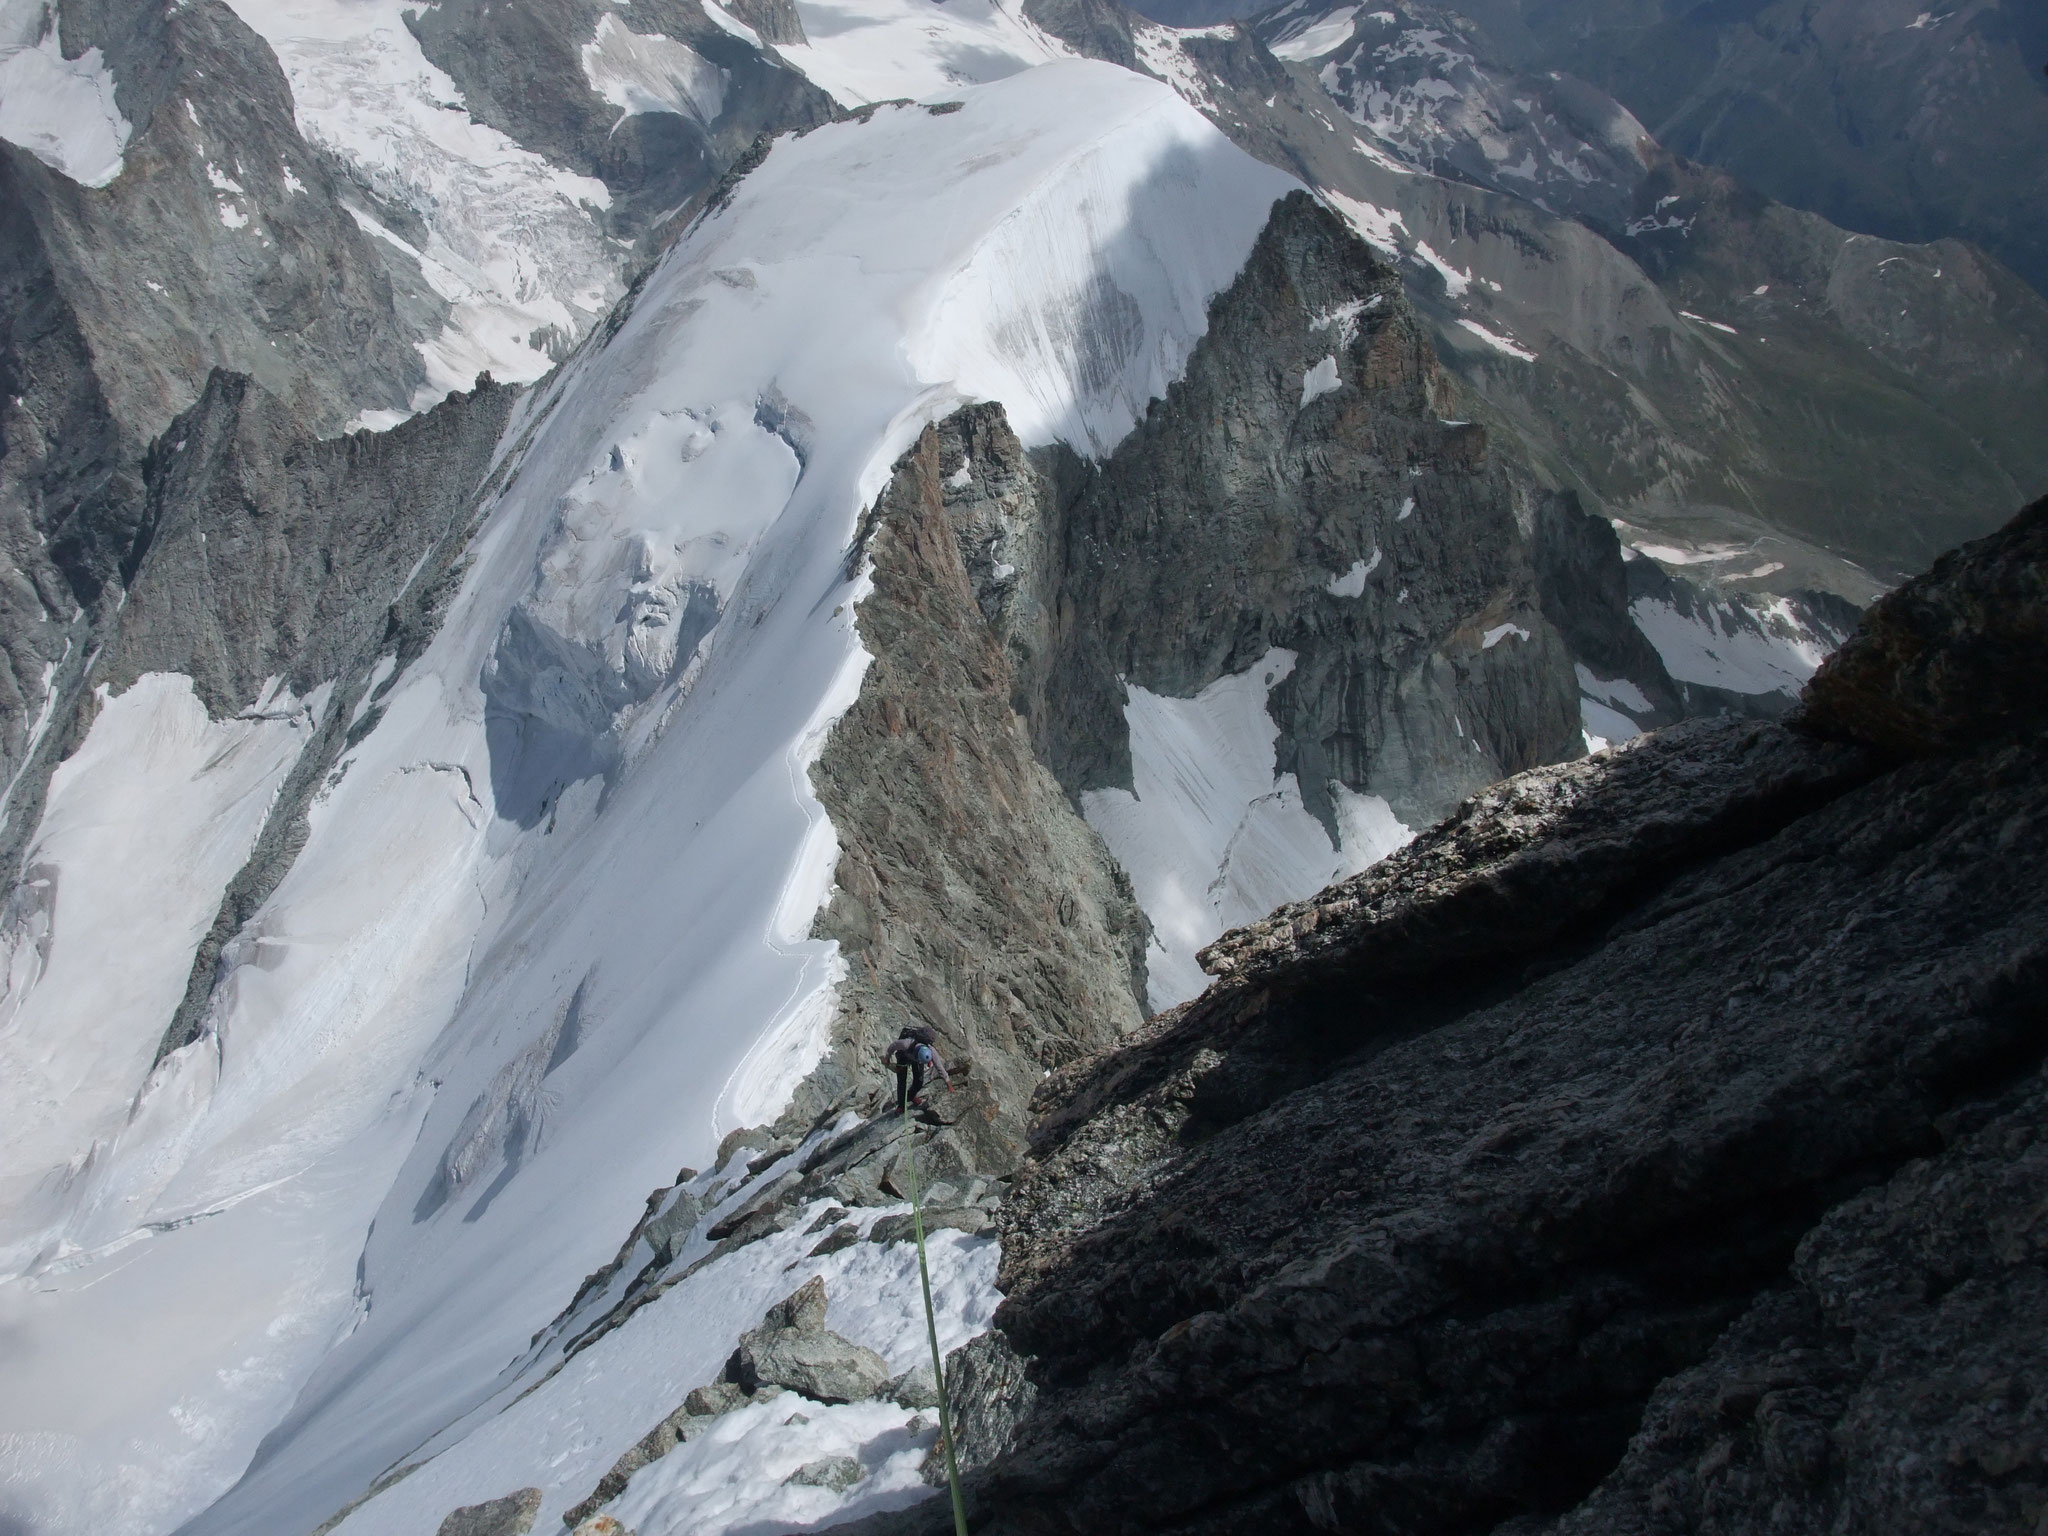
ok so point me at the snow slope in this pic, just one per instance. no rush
(1210, 836)
(548, 937)
(862, 51)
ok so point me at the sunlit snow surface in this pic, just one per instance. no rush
(883, 50)
(548, 937)
(1210, 835)
(60, 110)
(513, 243)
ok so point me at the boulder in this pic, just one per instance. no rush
(510, 1516)
(818, 1364)
(915, 1388)
(971, 1219)
(989, 1395)
(794, 1349)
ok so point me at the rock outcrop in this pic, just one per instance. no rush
(1308, 443)
(1655, 1146)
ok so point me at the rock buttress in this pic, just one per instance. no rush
(970, 896)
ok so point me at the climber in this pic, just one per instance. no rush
(908, 1055)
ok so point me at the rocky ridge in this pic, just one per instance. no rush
(1649, 1147)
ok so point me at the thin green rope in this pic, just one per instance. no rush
(931, 1325)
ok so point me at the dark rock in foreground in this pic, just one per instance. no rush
(1656, 1146)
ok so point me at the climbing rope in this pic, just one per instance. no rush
(931, 1324)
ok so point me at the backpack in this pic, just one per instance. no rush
(920, 1033)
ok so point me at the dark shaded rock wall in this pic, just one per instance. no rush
(1653, 1147)
(1952, 659)
(1214, 531)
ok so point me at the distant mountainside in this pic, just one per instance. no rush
(1907, 119)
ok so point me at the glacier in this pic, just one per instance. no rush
(548, 938)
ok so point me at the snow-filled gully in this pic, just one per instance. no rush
(548, 939)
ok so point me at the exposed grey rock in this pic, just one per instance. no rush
(817, 1363)
(845, 1235)
(970, 896)
(988, 1395)
(915, 1388)
(1718, 1197)
(714, 1398)
(971, 1219)
(510, 1516)
(668, 1231)
(802, 1309)
(1214, 531)
(837, 1473)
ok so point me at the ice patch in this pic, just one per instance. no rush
(1500, 632)
(62, 111)
(1726, 645)
(1344, 318)
(1379, 227)
(1455, 281)
(1717, 325)
(863, 51)
(637, 73)
(1320, 380)
(1617, 691)
(1604, 725)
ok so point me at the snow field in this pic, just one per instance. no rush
(142, 830)
(862, 51)
(1211, 837)
(548, 938)
(1725, 645)
(60, 110)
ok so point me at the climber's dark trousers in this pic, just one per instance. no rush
(909, 1084)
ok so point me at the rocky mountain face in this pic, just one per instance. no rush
(1892, 119)
(1897, 120)
(1652, 1145)
(1655, 327)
